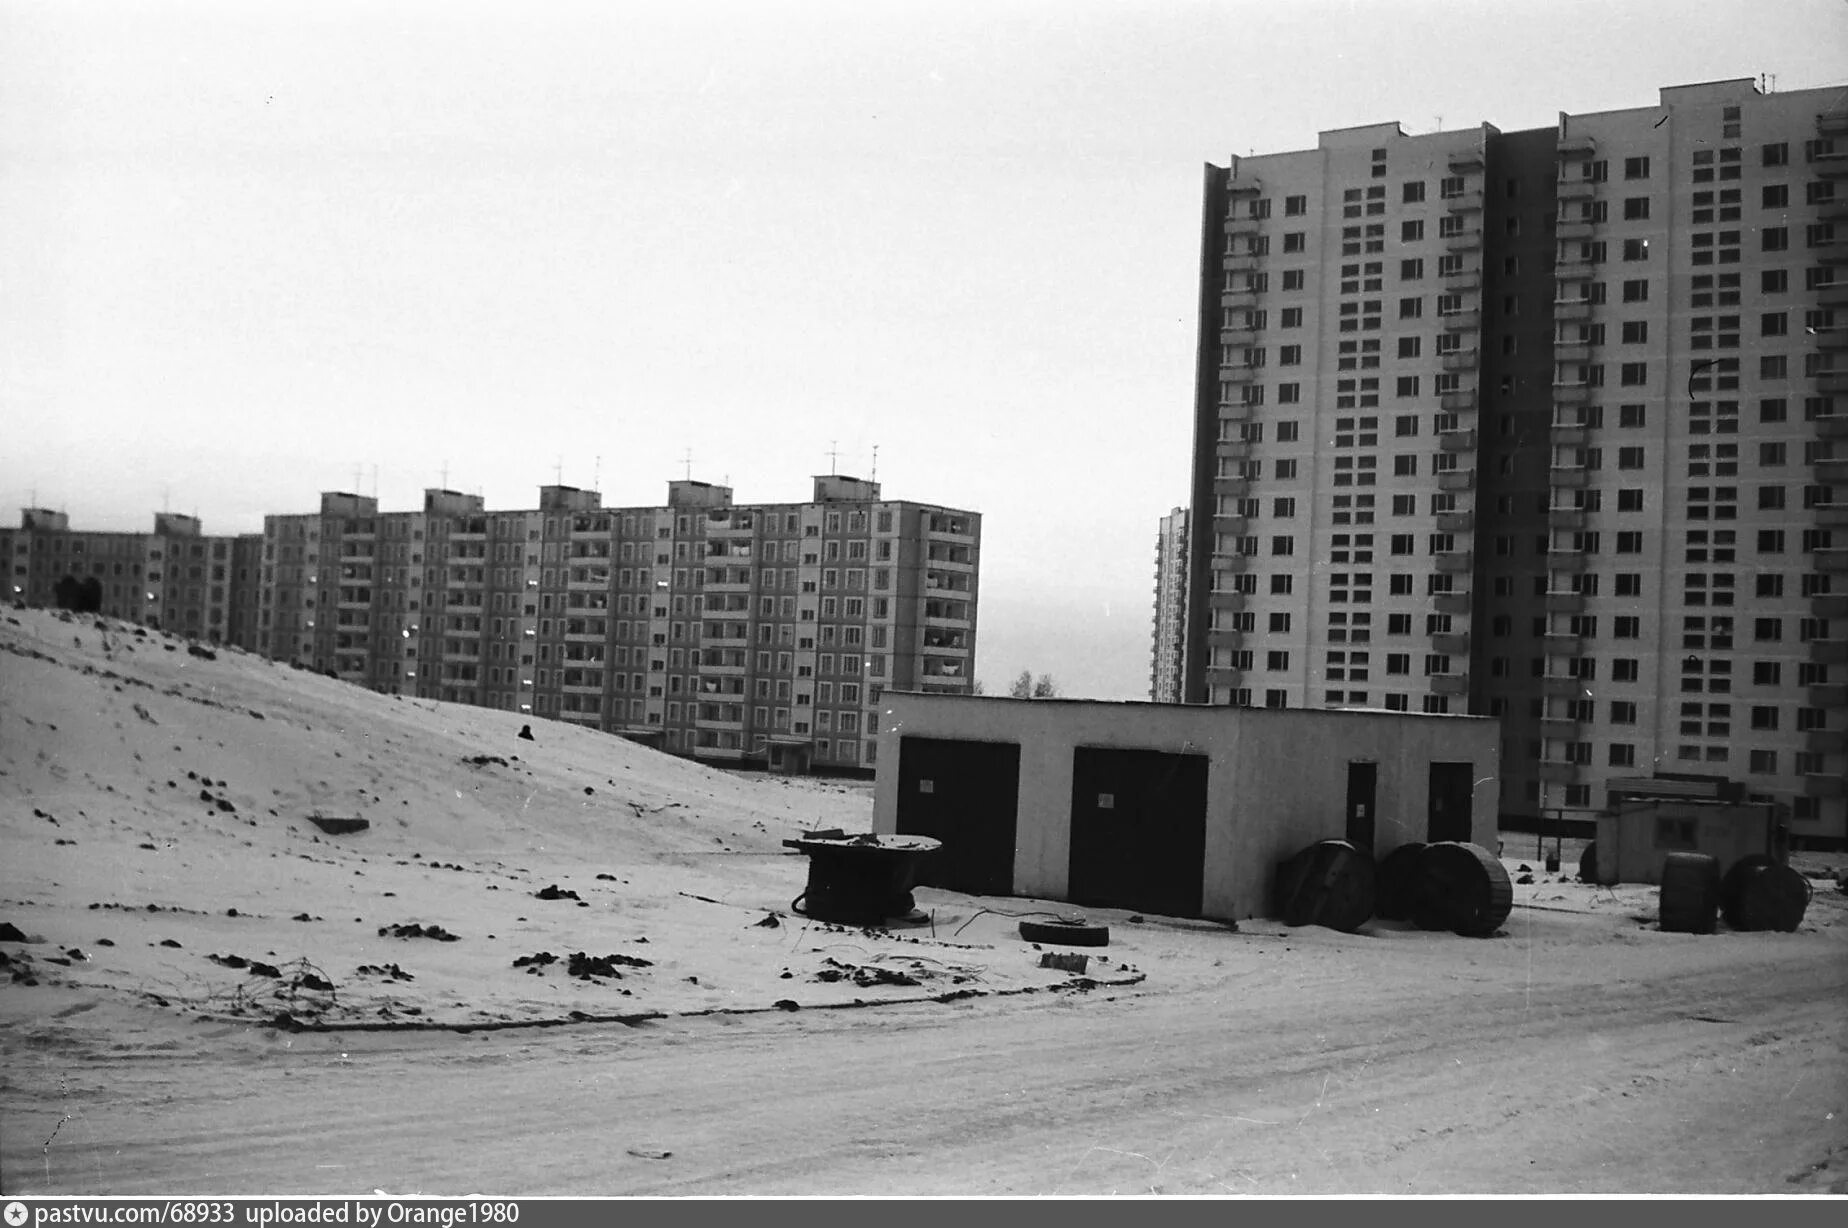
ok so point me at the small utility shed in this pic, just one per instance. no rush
(1182, 810)
(1635, 838)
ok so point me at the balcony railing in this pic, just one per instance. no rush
(1456, 479)
(1564, 603)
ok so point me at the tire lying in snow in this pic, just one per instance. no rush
(1066, 933)
(1462, 888)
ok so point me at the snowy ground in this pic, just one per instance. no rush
(159, 862)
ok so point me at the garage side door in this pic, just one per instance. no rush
(965, 794)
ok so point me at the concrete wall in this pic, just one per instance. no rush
(1276, 778)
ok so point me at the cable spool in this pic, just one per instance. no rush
(1462, 888)
(1330, 883)
(1771, 897)
(1588, 863)
(1396, 883)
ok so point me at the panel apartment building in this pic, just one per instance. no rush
(1541, 425)
(765, 632)
(1165, 681)
(174, 578)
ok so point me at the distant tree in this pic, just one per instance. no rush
(1026, 686)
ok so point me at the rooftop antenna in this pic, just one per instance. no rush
(1440, 122)
(834, 457)
(688, 461)
(444, 479)
(166, 498)
(375, 481)
(558, 472)
(359, 472)
(874, 476)
(596, 472)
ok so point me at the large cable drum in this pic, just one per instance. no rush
(1329, 883)
(1759, 894)
(1463, 888)
(1690, 893)
(1396, 883)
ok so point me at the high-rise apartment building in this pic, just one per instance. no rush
(1541, 425)
(175, 578)
(765, 632)
(1165, 684)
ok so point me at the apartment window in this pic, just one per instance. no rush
(1636, 291)
(1636, 168)
(1411, 231)
(1411, 270)
(1636, 208)
(1635, 332)
(1414, 191)
(1280, 622)
(1290, 356)
(1774, 238)
(1277, 662)
(1636, 249)
(1775, 196)
(1292, 279)
(1411, 308)
(1281, 585)
(1633, 374)
(1624, 669)
(1295, 206)
(1774, 324)
(1294, 241)
(1283, 545)
(1629, 458)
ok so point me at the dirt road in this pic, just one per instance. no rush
(1719, 1076)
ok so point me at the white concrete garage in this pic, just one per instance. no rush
(1180, 810)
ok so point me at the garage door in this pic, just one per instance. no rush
(965, 794)
(1138, 830)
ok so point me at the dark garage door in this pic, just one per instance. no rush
(1138, 830)
(964, 794)
(1453, 787)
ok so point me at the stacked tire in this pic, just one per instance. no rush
(1690, 893)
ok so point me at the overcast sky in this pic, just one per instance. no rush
(254, 251)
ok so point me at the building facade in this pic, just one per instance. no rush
(763, 632)
(175, 578)
(1165, 684)
(1540, 425)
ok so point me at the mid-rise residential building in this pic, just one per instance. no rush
(1540, 425)
(174, 578)
(1170, 608)
(763, 632)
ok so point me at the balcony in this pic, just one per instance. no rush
(1834, 251)
(1468, 277)
(1827, 696)
(1832, 426)
(1233, 487)
(1225, 599)
(1830, 338)
(1831, 165)
(1238, 374)
(1835, 294)
(1238, 296)
(1463, 161)
(1574, 230)
(1225, 639)
(1451, 603)
(1571, 351)
(1468, 240)
(1831, 381)
(1456, 479)
(1826, 741)
(1571, 309)
(1831, 472)
(1243, 189)
(1568, 393)
(1575, 189)
(1226, 564)
(1562, 644)
(1224, 675)
(1565, 518)
(1233, 411)
(1452, 561)
(1819, 784)
(1456, 522)
(1451, 643)
(1556, 687)
(1829, 652)
(1829, 605)
(1558, 772)
(1564, 603)
(1563, 728)
(1569, 561)
(1467, 201)
(1229, 524)
(1238, 336)
(1834, 559)
(1232, 449)
(1461, 321)
(1569, 477)
(1567, 434)
(1456, 402)
(1573, 148)
(1449, 684)
(1831, 515)
(1457, 441)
